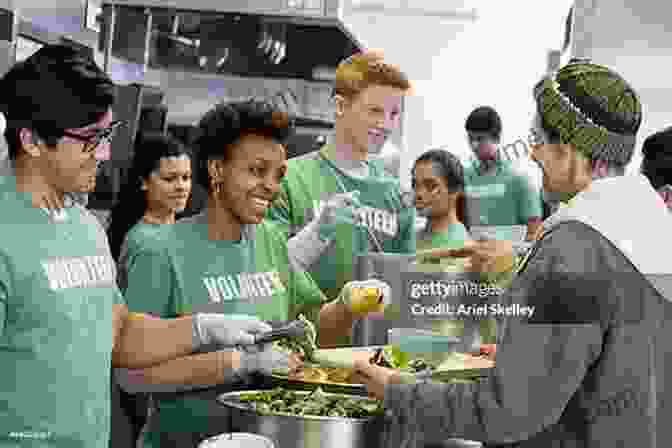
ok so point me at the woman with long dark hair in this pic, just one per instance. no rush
(438, 183)
(158, 187)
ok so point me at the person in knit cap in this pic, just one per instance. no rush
(579, 371)
(657, 163)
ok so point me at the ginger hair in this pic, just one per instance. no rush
(361, 70)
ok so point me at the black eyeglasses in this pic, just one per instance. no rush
(92, 142)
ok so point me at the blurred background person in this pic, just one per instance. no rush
(438, 183)
(158, 187)
(657, 163)
(498, 197)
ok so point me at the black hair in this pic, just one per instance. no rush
(149, 149)
(449, 167)
(34, 92)
(484, 119)
(657, 161)
(226, 123)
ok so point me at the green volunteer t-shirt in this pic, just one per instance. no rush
(57, 291)
(505, 198)
(453, 237)
(134, 241)
(181, 271)
(313, 179)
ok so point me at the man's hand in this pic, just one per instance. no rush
(492, 257)
(340, 209)
(363, 297)
(487, 256)
(375, 378)
(221, 330)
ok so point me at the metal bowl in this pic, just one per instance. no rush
(298, 431)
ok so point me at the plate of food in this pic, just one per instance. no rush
(332, 369)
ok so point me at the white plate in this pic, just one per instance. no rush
(237, 440)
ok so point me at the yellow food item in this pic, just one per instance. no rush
(366, 299)
(503, 264)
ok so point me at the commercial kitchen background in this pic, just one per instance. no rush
(456, 63)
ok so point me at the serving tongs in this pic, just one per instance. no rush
(296, 329)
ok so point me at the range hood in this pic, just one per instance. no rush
(283, 39)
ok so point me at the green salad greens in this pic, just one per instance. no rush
(316, 403)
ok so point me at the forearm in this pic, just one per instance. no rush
(203, 370)
(534, 227)
(335, 322)
(306, 247)
(145, 342)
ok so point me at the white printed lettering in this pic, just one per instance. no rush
(213, 291)
(226, 289)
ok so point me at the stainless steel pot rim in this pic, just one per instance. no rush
(229, 399)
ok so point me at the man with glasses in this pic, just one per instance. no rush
(338, 202)
(63, 321)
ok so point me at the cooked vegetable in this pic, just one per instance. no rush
(394, 358)
(323, 375)
(304, 346)
(316, 403)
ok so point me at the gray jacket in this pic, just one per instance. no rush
(561, 383)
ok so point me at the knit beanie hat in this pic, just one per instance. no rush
(592, 108)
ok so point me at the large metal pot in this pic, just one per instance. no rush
(305, 431)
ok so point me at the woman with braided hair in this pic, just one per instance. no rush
(580, 371)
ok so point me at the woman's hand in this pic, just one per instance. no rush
(267, 360)
(226, 330)
(364, 297)
(374, 377)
